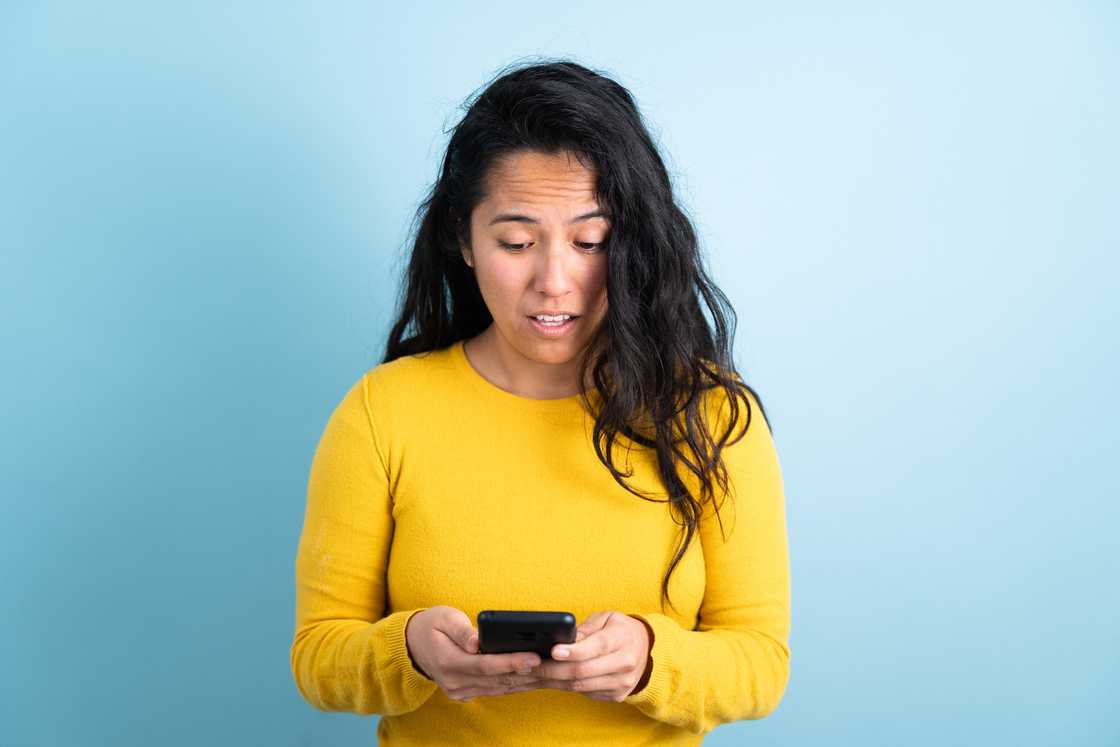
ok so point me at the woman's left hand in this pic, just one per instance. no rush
(609, 660)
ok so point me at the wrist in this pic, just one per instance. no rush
(644, 679)
(408, 648)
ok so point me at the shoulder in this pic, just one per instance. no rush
(739, 403)
(393, 394)
(411, 376)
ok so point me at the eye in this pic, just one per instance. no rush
(589, 247)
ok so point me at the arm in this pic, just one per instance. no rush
(347, 655)
(735, 664)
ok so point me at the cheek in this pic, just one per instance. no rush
(501, 283)
(596, 287)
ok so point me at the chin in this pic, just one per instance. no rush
(551, 352)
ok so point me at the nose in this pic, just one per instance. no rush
(553, 274)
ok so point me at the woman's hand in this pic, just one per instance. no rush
(444, 647)
(609, 660)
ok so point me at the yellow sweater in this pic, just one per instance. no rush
(430, 485)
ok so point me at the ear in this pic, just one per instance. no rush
(464, 248)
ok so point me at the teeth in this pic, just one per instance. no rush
(547, 318)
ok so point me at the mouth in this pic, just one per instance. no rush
(553, 329)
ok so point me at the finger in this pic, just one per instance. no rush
(614, 696)
(489, 665)
(614, 663)
(580, 636)
(494, 685)
(465, 645)
(597, 643)
(594, 622)
(608, 687)
(467, 694)
(612, 684)
(554, 684)
(455, 624)
(602, 635)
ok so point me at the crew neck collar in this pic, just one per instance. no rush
(494, 392)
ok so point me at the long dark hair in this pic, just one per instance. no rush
(655, 353)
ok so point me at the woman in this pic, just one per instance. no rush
(559, 430)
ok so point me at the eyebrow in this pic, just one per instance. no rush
(517, 217)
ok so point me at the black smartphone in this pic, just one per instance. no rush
(507, 631)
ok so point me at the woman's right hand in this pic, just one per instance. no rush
(443, 645)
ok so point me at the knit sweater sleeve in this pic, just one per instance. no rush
(735, 664)
(347, 654)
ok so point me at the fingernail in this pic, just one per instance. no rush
(561, 653)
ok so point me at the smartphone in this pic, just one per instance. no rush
(507, 631)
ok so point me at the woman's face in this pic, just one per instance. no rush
(537, 248)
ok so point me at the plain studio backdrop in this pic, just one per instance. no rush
(203, 215)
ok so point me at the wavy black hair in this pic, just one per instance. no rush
(655, 353)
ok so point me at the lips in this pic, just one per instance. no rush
(552, 330)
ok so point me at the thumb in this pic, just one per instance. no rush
(592, 624)
(457, 626)
(462, 632)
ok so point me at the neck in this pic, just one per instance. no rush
(507, 368)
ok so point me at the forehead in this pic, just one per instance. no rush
(538, 179)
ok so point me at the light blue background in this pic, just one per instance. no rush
(203, 211)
